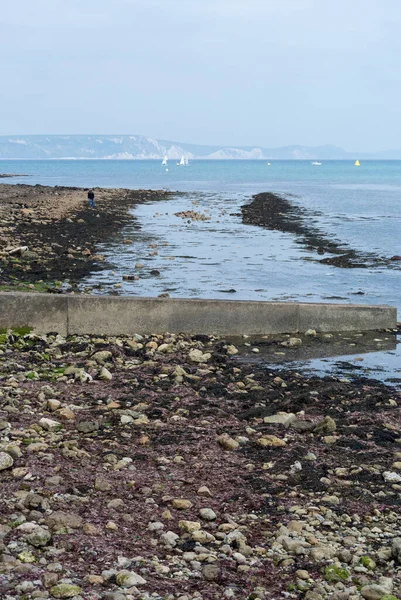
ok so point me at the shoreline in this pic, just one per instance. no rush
(59, 230)
(170, 466)
(5, 175)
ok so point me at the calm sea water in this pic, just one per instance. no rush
(358, 206)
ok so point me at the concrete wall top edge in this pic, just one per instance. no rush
(111, 315)
(155, 299)
(214, 301)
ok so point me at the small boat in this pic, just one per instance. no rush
(164, 161)
(357, 163)
(316, 163)
(182, 161)
(186, 162)
(268, 164)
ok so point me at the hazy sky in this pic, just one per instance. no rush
(235, 72)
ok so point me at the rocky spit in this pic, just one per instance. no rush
(164, 467)
(282, 214)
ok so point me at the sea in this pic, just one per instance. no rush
(358, 207)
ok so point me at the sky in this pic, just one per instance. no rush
(229, 72)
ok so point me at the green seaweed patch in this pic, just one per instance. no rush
(21, 331)
(26, 557)
(25, 286)
(56, 373)
(334, 574)
(46, 374)
(389, 597)
(368, 563)
(14, 524)
(33, 375)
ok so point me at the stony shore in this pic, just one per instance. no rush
(165, 468)
(49, 234)
(169, 467)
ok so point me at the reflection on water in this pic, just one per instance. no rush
(350, 354)
(222, 258)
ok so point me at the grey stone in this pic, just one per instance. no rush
(327, 425)
(102, 356)
(88, 426)
(376, 591)
(39, 537)
(6, 461)
(302, 426)
(128, 579)
(396, 549)
(114, 596)
(281, 418)
(211, 572)
(61, 521)
(207, 514)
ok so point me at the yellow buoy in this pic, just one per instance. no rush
(357, 163)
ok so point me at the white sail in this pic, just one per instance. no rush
(186, 161)
(164, 161)
(182, 161)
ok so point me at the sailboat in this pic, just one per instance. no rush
(357, 163)
(186, 162)
(164, 161)
(182, 161)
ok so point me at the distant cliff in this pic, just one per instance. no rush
(141, 147)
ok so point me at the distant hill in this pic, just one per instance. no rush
(141, 147)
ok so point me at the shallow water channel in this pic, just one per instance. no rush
(223, 258)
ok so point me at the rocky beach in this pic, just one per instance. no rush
(49, 234)
(163, 467)
(173, 467)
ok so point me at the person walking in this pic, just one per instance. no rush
(91, 199)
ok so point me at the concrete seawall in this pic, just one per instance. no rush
(110, 315)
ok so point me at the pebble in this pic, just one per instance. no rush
(50, 424)
(65, 590)
(207, 514)
(227, 442)
(211, 572)
(181, 503)
(271, 440)
(204, 491)
(6, 461)
(153, 439)
(280, 418)
(127, 579)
